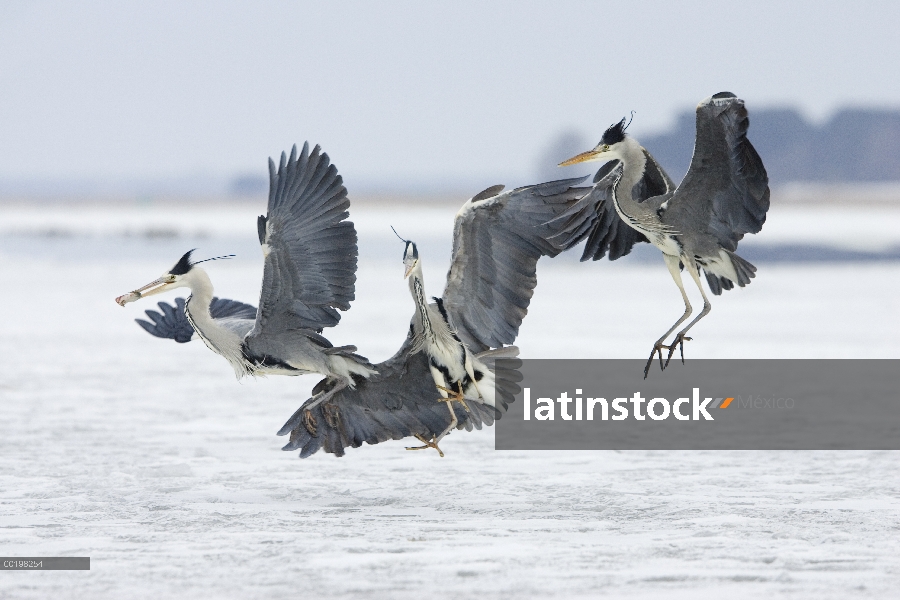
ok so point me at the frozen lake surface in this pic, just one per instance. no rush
(151, 459)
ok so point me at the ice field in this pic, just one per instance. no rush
(150, 458)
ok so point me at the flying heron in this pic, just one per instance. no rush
(696, 225)
(497, 241)
(309, 273)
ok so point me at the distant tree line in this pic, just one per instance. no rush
(855, 145)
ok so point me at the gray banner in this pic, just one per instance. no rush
(44, 563)
(704, 404)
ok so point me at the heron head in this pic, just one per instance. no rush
(410, 254)
(173, 278)
(609, 147)
(410, 258)
(176, 277)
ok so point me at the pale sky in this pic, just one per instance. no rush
(403, 92)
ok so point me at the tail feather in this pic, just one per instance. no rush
(742, 268)
(498, 386)
(355, 363)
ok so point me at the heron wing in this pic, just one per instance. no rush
(309, 246)
(594, 217)
(726, 189)
(171, 322)
(399, 401)
(497, 241)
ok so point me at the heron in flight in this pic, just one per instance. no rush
(309, 274)
(697, 225)
(498, 238)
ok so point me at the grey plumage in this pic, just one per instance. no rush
(594, 217)
(724, 195)
(310, 267)
(399, 401)
(171, 323)
(495, 252)
(697, 224)
(498, 239)
(309, 275)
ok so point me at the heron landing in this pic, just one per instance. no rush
(696, 225)
(309, 274)
(454, 343)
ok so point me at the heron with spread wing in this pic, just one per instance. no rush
(309, 274)
(455, 342)
(697, 225)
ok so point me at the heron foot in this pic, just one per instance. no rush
(309, 421)
(432, 443)
(678, 342)
(456, 397)
(658, 347)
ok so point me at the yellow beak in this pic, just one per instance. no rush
(583, 157)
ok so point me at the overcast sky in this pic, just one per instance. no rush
(404, 92)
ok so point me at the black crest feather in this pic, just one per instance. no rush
(410, 246)
(183, 265)
(614, 134)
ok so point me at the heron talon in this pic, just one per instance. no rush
(657, 348)
(428, 444)
(309, 421)
(678, 342)
(456, 397)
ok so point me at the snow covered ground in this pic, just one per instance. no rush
(148, 457)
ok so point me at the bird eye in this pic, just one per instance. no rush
(606, 146)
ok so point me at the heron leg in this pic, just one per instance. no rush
(456, 397)
(432, 443)
(672, 263)
(309, 421)
(453, 420)
(681, 338)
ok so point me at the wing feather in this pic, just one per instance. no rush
(595, 218)
(310, 266)
(399, 401)
(172, 323)
(497, 241)
(726, 189)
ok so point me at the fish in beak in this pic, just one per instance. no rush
(158, 286)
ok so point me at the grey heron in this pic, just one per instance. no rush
(498, 238)
(309, 273)
(697, 225)
(456, 372)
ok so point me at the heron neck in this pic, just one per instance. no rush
(417, 289)
(633, 164)
(201, 296)
(217, 338)
(430, 329)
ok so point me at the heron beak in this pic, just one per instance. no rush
(409, 269)
(583, 157)
(154, 287)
